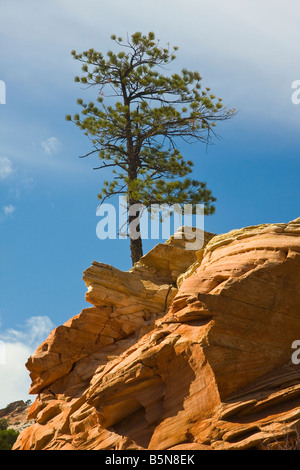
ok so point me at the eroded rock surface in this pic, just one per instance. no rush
(204, 364)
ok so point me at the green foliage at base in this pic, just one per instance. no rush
(7, 436)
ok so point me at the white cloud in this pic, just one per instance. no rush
(6, 168)
(32, 332)
(51, 145)
(16, 346)
(8, 210)
(14, 378)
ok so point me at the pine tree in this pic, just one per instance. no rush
(136, 131)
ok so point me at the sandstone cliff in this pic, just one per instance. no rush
(187, 350)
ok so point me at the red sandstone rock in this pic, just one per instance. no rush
(207, 366)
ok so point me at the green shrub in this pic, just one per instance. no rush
(3, 424)
(7, 436)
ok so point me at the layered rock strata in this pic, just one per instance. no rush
(204, 364)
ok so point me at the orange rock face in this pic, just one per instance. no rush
(204, 364)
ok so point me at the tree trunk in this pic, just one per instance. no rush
(134, 227)
(136, 250)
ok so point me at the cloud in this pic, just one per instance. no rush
(14, 377)
(31, 333)
(16, 346)
(6, 168)
(8, 210)
(51, 145)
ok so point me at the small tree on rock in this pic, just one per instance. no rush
(135, 132)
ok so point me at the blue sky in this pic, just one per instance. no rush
(246, 51)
